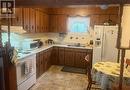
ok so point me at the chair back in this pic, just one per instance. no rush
(116, 87)
(127, 62)
(88, 62)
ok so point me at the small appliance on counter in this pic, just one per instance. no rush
(29, 44)
(91, 42)
(49, 42)
(40, 43)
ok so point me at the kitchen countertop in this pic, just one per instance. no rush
(31, 52)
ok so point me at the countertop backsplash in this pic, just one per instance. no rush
(61, 38)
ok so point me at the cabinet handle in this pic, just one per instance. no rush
(37, 27)
(32, 27)
(45, 28)
(26, 27)
(17, 19)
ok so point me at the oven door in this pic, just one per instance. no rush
(25, 69)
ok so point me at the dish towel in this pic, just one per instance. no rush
(14, 58)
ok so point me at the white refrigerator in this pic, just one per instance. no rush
(105, 39)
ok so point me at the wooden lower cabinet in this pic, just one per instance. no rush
(43, 62)
(79, 57)
(69, 57)
(54, 56)
(75, 57)
(37, 65)
(61, 56)
(48, 58)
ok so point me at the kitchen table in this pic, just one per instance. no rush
(107, 73)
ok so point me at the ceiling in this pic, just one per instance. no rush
(57, 3)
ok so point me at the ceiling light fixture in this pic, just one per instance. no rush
(104, 7)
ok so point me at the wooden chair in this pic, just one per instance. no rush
(127, 62)
(90, 81)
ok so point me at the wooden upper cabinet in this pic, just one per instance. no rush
(63, 23)
(37, 21)
(103, 18)
(114, 18)
(94, 20)
(26, 16)
(18, 19)
(32, 20)
(52, 23)
(45, 22)
(58, 23)
(41, 22)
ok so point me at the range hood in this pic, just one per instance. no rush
(13, 29)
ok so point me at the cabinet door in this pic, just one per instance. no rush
(61, 56)
(41, 25)
(114, 19)
(32, 20)
(18, 19)
(44, 54)
(26, 24)
(37, 65)
(48, 62)
(41, 63)
(54, 56)
(52, 23)
(37, 21)
(103, 18)
(58, 23)
(94, 20)
(46, 22)
(62, 27)
(90, 53)
(80, 58)
(69, 57)
(42, 21)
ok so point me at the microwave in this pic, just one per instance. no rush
(29, 45)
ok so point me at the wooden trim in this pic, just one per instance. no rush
(121, 69)
(57, 3)
(120, 28)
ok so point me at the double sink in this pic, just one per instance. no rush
(76, 45)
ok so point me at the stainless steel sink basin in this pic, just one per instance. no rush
(76, 45)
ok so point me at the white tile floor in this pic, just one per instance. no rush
(55, 79)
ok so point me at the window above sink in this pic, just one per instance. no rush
(79, 24)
